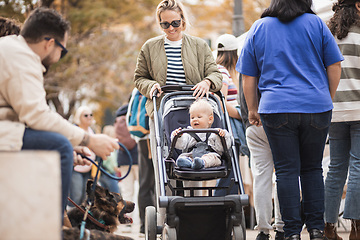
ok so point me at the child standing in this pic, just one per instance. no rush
(201, 117)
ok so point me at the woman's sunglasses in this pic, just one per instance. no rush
(88, 115)
(175, 24)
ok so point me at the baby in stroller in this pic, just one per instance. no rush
(200, 150)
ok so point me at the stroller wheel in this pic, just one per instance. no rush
(150, 223)
(169, 233)
(237, 233)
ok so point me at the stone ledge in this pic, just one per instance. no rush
(30, 195)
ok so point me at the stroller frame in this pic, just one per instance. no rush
(229, 207)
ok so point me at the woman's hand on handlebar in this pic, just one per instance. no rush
(202, 89)
(154, 87)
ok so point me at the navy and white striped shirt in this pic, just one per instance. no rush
(175, 69)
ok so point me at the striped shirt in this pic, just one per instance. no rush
(175, 69)
(347, 97)
(232, 90)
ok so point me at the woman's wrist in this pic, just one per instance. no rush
(208, 82)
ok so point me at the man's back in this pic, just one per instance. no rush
(22, 96)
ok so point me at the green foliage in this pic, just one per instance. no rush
(90, 15)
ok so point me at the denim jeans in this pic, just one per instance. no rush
(109, 183)
(344, 157)
(78, 187)
(42, 140)
(297, 142)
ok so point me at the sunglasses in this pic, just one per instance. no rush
(175, 24)
(63, 51)
(88, 115)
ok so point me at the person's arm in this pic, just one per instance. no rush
(233, 112)
(334, 73)
(212, 73)
(101, 144)
(250, 86)
(142, 78)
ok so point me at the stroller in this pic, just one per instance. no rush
(189, 216)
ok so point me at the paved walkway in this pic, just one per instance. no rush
(250, 234)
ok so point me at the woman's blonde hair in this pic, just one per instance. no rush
(172, 5)
(78, 113)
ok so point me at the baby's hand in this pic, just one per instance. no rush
(176, 132)
(221, 132)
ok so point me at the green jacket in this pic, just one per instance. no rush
(151, 67)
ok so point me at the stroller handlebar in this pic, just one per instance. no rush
(175, 88)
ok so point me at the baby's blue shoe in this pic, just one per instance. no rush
(184, 162)
(198, 163)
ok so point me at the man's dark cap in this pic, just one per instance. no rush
(122, 110)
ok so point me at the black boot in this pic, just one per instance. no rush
(316, 234)
(279, 235)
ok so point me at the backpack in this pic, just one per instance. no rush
(137, 118)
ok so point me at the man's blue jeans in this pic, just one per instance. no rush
(42, 140)
(344, 157)
(297, 142)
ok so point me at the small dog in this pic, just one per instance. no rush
(108, 208)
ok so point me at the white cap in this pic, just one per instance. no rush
(228, 41)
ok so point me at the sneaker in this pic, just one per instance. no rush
(262, 236)
(316, 234)
(279, 235)
(184, 162)
(198, 163)
(126, 229)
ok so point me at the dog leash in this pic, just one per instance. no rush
(108, 174)
(91, 218)
(89, 201)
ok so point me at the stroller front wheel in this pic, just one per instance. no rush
(237, 233)
(169, 233)
(150, 223)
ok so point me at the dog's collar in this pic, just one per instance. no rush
(99, 220)
(90, 217)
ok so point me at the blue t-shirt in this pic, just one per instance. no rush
(290, 59)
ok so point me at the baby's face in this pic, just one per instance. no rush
(200, 119)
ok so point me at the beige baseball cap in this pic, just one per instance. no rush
(228, 41)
